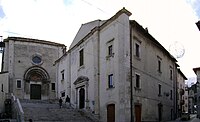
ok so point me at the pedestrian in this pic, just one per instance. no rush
(60, 102)
(30, 120)
(67, 101)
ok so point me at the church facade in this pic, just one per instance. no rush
(29, 63)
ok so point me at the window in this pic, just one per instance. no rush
(159, 90)
(171, 74)
(110, 81)
(63, 94)
(62, 75)
(137, 78)
(159, 66)
(53, 87)
(81, 57)
(37, 59)
(1, 87)
(19, 84)
(137, 50)
(110, 50)
(171, 95)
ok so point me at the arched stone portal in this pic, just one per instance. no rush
(36, 82)
(81, 85)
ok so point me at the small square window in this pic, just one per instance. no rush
(53, 87)
(63, 94)
(110, 81)
(19, 84)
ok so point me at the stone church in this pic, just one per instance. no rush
(30, 66)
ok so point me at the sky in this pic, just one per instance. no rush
(171, 22)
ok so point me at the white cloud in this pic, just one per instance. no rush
(57, 20)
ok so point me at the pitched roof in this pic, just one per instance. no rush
(84, 30)
(149, 36)
(181, 73)
(89, 28)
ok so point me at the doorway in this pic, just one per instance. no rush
(81, 98)
(160, 112)
(138, 109)
(35, 91)
(111, 113)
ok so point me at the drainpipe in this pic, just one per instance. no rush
(98, 66)
(131, 74)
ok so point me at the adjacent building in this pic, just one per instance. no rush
(115, 69)
(197, 100)
(29, 64)
(182, 94)
(4, 76)
(186, 99)
(192, 91)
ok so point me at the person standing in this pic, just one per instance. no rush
(60, 102)
(67, 101)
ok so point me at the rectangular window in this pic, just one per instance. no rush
(53, 87)
(137, 78)
(159, 65)
(171, 74)
(137, 50)
(110, 81)
(159, 90)
(62, 75)
(63, 94)
(110, 50)
(19, 84)
(171, 95)
(81, 58)
(2, 88)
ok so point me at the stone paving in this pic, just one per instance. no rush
(193, 119)
(51, 112)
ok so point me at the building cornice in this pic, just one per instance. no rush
(21, 39)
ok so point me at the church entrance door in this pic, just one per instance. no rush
(35, 91)
(82, 98)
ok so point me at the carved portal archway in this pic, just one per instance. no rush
(36, 82)
(36, 73)
(81, 85)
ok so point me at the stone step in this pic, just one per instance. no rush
(45, 111)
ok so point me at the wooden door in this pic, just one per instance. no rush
(35, 91)
(111, 113)
(81, 98)
(138, 113)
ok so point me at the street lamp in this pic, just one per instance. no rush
(2, 45)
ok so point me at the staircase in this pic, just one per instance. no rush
(46, 111)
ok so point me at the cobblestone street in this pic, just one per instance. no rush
(192, 119)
